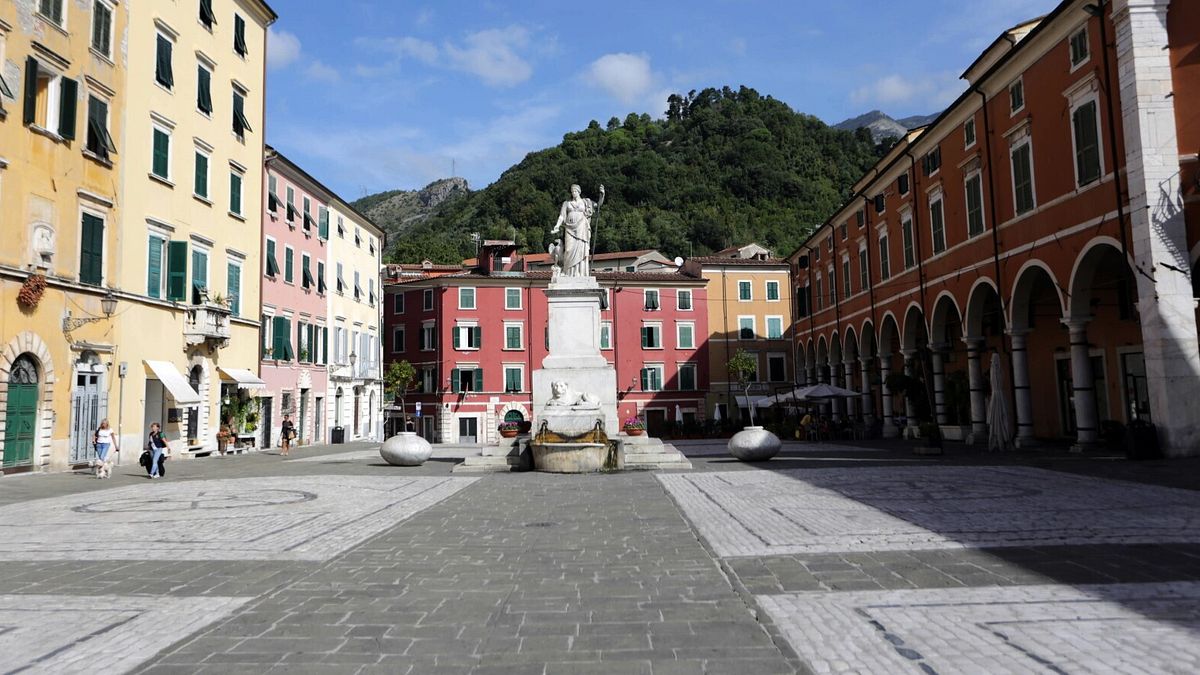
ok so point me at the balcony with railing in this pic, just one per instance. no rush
(208, 322)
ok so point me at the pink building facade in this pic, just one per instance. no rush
(476, 334)
(295, 316)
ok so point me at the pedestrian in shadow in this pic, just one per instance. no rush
(287, 432)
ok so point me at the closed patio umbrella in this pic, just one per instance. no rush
(716, 412)
(678, 414)
(999, 415)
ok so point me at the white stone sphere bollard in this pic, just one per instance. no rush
(406, 449)
(754, 444)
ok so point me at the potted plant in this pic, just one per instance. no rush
(509, 429)
(634, 426)
(753, 443)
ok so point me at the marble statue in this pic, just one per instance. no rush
(572, 253)
(561, 396)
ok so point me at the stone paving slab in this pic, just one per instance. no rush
(306, 518)
(1130, 628)
(102, 634)
(904, 508)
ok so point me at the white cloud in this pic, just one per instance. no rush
(492, 56)
(626, 77)
(321, 72)
(283, 48)
(935, 88)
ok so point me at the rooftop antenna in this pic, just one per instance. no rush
(475, 238)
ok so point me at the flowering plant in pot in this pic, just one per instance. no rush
(634, 426)
(509, 429)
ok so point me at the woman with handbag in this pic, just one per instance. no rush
(287, 432)
(156, 446)
(104, 442)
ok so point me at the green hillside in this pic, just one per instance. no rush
(724, 167)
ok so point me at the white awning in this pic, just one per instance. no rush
(244, 378)
(744, 402)
(175, 383)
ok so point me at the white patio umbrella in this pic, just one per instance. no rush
(716, 412)
(678, 414)
(823, 391)
(999, 415)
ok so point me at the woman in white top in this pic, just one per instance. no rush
(104, 442)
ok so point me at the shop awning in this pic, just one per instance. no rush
(174, 381)
(244, 378)
(744, 402)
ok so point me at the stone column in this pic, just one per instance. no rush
(1083, 384)
(1021, 389)
(910, 408)
(1157, 228)
(885, 369)
(938, 355)
(867, 400)
(835, 373)
(979, 430)
(848, 383)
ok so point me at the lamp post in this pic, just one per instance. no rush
(108, 304)
(353, 361)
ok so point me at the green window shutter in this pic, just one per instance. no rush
(312, 343)
(289, 263)
(320, 277)
(30, 93)
(239, 35)
(1087, 146)
(262, 331)
(162, 67)
(280, 337)
(177, 252)
(91, 255)
(162, 154)
(235, 192)
(323, 229)
(645, 337)
(272, 264)
(455, 383)
(206, 13)
(154, 268)
(66, 109)
(454, 337)
(234, 286)
(204, 90)
(478, 386)
(288, 353)
(645, 379)
(476, 336)
(201, 175)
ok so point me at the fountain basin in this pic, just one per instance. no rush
(569, 457)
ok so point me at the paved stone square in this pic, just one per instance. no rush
(762, 513)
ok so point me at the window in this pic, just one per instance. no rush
(969, 133)
(161, 163)
(746, 329)
(683, 300)
(514, 378)
(910, 256)
(652, 378)
(50, 99)
(52, 10)
(341, 227)
(235, 192)
(358, 293)
(272, 263)
(847, 286)
(397, 339)
(802, 301)
(466, 336)
(937, 224)
(604, 300)
(282, 339)
(240, 124)
(398, 303)
(832, 286)
(272, 193)
(428, 337)
(932, 162)
(155, 279)
(514, 336)
(745, 291)
(776, 368)
(291, 203)
(177, 256)
(902, 183)
(1079, 47)
(466, 298)
(99, 142)
(685, 335)
(651, 300)
(206, 14)
(687, 377)
(652, 336)
(863, 270)
(306, 278)
(1087, 143)
(606, 335)
(512, 298)
(820, 295)
(817, 253)
(239, 35)
(199, 275)
(102, 25)
(844, 230)
(320, 278)
(879, 203)
(1016, 96)
(773, 291)
(91, 250)
(860, 218)
(163, 73)
(308, 219)
(200, 182)
(974, 187)
(885, 267)
(322, 222)
(289, 260)
(233, 286)
(428, 384)
(774, 327)
(204, 89)
(1022, 170)
(427, 299)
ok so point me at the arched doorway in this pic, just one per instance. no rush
(88, 406)
(369, 430)
(354, 428)
(1039, 349)
(20, 412)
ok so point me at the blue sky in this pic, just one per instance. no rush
(370, 95)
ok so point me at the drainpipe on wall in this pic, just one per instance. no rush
(916, 225)
(987, 145)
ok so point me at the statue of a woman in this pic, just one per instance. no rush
(572, 255)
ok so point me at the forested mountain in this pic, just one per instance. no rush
(724, 167)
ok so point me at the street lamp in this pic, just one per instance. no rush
(108, 305)
(353, 360)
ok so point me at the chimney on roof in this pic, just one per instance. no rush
(496, 255)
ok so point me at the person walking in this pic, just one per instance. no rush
(104, 442)
(287, 432)
(158, 448)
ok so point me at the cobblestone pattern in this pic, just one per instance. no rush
(302, 518)
(1122, 628)
(760, 513)
(524, 573)
(102, 634)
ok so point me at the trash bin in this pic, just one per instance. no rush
(337, 435)
(1141, 441)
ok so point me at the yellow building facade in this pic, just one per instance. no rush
(192, 207)
(62, 88)
(750, 308)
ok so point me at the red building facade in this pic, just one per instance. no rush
(476, 334)
(1049, 215)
